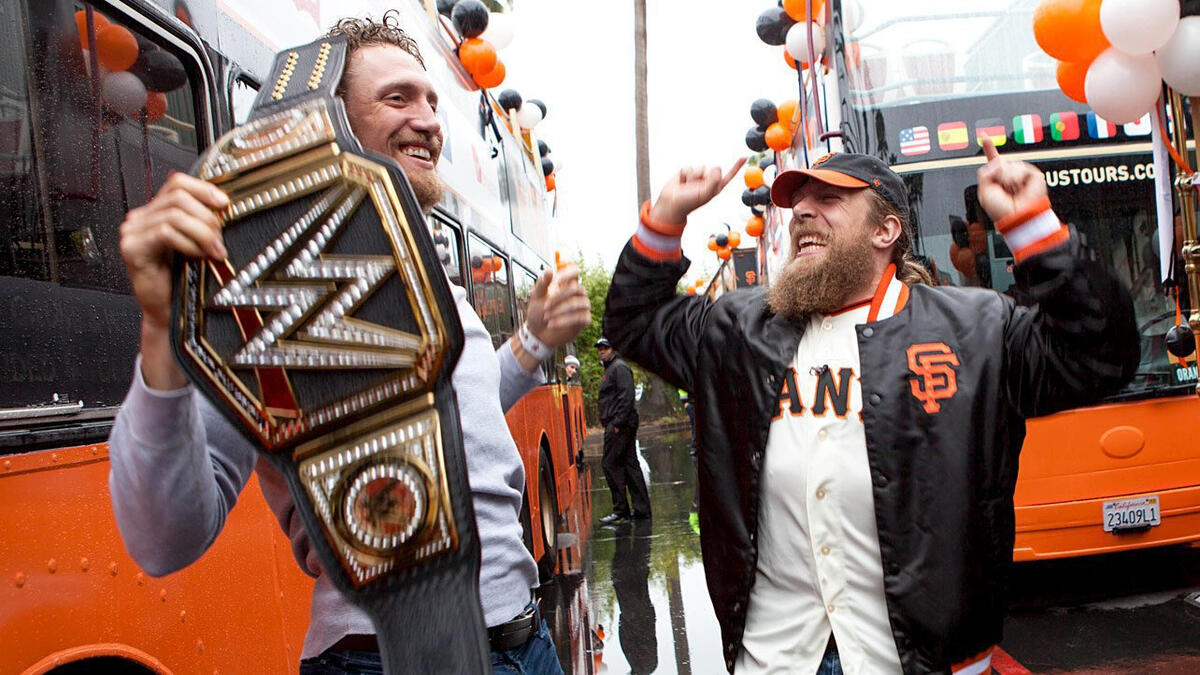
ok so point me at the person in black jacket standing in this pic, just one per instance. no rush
(620, 419)
(859, 429)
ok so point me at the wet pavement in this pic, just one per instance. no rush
(638, 603)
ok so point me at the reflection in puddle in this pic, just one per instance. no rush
(641, 604)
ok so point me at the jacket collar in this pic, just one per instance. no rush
(891, 295)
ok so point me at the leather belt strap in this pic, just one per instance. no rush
(517, 632)
(328, 338)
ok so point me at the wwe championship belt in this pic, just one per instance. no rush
(328, 337)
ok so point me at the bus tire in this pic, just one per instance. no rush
(548, 525)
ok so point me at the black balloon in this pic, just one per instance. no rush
(476, 262)
(764, 113)
(470, 18)
(541, 106)
(772, 26)
(445, 7)
(748, 197)
(509, 99)
(543, 149)
(158, 69)
(756, 140)
(722, 240)
(547, 166)
(767, 160)
(762, 195)
(757, 209)
(1180, 340)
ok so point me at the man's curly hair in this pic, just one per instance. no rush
(367, 31)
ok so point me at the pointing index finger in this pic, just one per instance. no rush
(732, 172)
(989, 149)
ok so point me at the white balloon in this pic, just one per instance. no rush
(1138, 26)
(1179, 59)
(1122, 87)
(852, 15)
(769, 175)
(500, 30)
(529, 115)
(123, 92)
(796, 42)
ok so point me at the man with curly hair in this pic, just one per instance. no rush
(177, 466)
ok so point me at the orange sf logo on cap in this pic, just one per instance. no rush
(821, 160)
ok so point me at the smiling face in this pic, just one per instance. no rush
(835, 251)
(391, 106)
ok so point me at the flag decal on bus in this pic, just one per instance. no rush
(1064, 126)
(1140, 127)
(1100, 128)
(914, 141)
(953, 136)
(1027, 129)
(991, 128)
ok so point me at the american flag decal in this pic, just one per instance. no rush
(914, 141)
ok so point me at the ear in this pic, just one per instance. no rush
(886, 232)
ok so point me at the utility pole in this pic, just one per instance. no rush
(641, 107)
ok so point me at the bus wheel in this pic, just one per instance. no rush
(548, 503)
(526, 523)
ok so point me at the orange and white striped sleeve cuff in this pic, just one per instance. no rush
(1032, 230)
(657, 241)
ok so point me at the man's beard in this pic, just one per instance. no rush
(826, 285)
(428, 188)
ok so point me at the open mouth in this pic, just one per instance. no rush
(809, 245)
(423, 154)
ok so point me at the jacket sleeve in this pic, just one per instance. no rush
(1078, 341)
(171, 488)
(648, 322)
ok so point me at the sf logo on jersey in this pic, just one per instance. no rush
(935, 379)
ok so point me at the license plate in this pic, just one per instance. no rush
(1132, 514)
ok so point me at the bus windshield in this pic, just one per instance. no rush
(925, 79)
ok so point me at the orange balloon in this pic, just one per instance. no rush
(735, 238)
(551, 184)
(1070, 79)
(1069, 30)
(796, 9)
(691, 290)
(116, 47)
(492, 78)
(787, 113)
(753, 177)
(712, 243)
(723, 253)
(779, 137)
(98, 22)
(478, 56)
(754, 226)
(156, 106)
(789, 60)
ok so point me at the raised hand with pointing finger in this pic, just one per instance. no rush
(662, 224)
(1014, 194)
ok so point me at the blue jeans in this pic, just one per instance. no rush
(831, 664)
(535, 657)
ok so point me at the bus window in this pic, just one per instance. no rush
(446, 240)
(489, 279)
(106, 139)
(242, 92)
(523, 281)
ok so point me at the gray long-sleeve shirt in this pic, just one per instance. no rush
(177, 467)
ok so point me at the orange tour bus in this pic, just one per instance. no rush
(78, 148)
(917, 86)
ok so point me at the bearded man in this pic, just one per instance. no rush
(858, 429)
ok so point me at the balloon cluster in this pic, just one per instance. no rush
(723, 243)
(774, 127)
(696, 286)
(757, 195)
(134, 73)
(484, 268)
(530, 113)
(482, 34)
(1114, 54)
(788, 26)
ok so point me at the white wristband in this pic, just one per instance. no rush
(533, 346)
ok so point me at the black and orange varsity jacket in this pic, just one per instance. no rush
(944, 479)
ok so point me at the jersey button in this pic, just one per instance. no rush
(820, 493)
(822, 434)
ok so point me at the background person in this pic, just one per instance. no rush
(618, 415)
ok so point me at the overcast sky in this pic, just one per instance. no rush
(706, 65)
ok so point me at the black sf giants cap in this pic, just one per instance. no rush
(843, 169)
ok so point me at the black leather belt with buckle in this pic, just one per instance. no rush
(328, 337)
(517, 632)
